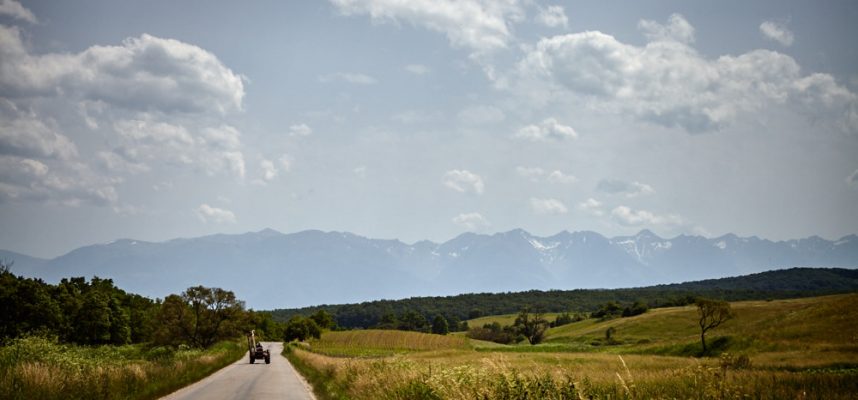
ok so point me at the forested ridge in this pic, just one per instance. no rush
(778, 284)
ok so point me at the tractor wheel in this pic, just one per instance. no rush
(268, 359)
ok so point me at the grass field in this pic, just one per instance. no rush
(373, 343)
(806, 348)
(38, 368)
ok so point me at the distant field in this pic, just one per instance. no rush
(505, 319)
(372, 343)
(804, 348)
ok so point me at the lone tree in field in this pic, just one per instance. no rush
(532, 325)
(712, 313)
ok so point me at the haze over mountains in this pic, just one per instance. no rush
(271, 270)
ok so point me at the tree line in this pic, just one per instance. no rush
(96, 312)
(780, 284)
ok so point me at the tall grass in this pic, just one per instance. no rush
(39, 368)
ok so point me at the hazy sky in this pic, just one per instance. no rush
(424, 119)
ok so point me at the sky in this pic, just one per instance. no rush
(425, 119)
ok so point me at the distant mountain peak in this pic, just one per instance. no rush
(314, 267)
(647, 234)
(269, 232)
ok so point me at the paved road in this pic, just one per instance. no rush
(243, 380)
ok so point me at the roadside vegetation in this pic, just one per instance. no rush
(802, 348)
(91, 340)
(39, 368)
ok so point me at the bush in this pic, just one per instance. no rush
(301, 328)
(637, 308)
(494, 333)
(160, 353)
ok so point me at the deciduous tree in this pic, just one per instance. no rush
(712, 313)
(532, 325)
(200, 317)
(440, 326)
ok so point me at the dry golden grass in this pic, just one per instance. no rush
(382, 342)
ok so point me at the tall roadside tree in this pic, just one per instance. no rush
(200, 317)
(712, 313)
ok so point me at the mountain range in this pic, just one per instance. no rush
(269, 269)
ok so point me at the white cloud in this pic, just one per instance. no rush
(40, 164)
(417, 69)
(464, 181)
(616, 186)
(677, 29)
(547, 130)
(161, 98)
(537, 174)
(668, 83)
(34, 167)
(629, 217)
(54, 181)
(300, 130)
(348, 77)
(553, 17)
(481, 115)
(214, 150)
(778, 32)
(415, 117)
(269, 172)
(479, 25)
(532, 173)
(592, 206)
(15, 10)
(207, 213)
(142, 74)
(471, 221)
(557, 176)
(547, 206)
(285, 162)
(26, 134)
(852, 179)
(117, 161)
(360, 171)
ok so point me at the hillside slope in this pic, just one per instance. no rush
(792, 328)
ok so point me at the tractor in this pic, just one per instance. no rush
(256, 350)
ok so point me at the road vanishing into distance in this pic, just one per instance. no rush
(243, 380)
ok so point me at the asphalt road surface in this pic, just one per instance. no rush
(243, 380)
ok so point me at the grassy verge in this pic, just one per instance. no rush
(38, 368)
(325, 385)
